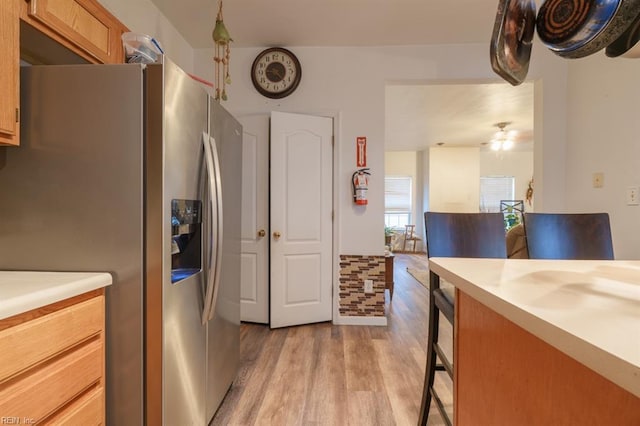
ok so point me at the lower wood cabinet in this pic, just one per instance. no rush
(52, 363)
(504, 375)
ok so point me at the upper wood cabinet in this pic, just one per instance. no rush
(9, 72)
(51, 32)
(83, 26)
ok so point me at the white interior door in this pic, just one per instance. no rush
(301, 219)
(254, 287)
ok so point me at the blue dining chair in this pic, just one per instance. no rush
(568, 236)
(478, 235)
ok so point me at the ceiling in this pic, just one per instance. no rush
(457, 115)
(417, 116)
(258, 23)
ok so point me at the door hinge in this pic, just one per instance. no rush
(332, 215)
(333, 141)
(17, 115)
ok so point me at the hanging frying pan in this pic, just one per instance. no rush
(513, 31)
(623, 44)
(578, 28)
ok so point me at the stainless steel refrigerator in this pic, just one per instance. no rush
(135, 170)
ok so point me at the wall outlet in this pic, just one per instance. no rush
(368, 286)
(598, 180)
(633, 196)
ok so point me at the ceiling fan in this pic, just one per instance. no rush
(503, 140)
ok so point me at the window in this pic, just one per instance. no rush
(397, 201)
(493, 189)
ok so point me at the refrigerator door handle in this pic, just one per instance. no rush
(212, 164)
(219, 225)
(209, 235)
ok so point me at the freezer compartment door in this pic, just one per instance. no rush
(223, 329)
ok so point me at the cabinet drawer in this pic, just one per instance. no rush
(88, 410)
(46, 388)
(84, 24)
(34, 341)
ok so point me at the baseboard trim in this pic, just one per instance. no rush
(353, 320)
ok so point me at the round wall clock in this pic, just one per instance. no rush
(276, 72)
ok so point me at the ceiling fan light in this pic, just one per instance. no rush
(508, 144)
(503, 140)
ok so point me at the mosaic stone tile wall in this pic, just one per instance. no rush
(354, 269)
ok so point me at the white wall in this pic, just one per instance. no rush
(423, 162)
(350, 82)
(604, 136)
(454, 179)
(511, 163)
(142, 16)
(549, 73)
(400, 163)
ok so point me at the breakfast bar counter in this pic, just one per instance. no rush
(545, 341)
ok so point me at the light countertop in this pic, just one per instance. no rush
(590, 310)
(22, 291)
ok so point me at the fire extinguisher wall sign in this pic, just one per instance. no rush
(361, 151)
(360, 186)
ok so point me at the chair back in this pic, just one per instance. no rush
(568, 236)
(479, 235)
(409, 231)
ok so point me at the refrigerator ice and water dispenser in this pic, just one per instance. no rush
(186, 239)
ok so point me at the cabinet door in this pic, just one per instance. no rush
(84, 26)
(9, 72)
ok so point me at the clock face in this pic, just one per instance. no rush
(276, 72)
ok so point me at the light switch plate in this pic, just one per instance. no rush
(598, 180)
(633, 196)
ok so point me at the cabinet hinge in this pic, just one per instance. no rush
(333, 141)
(332, 215)
(17, 115)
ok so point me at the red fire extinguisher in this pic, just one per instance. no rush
(360, 186)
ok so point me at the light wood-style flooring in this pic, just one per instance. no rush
(324, 374)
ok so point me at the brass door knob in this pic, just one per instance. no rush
(261, 233)
(276, 235)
